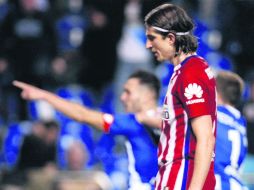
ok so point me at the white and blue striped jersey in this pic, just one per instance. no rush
(231, 148)
(141, 151)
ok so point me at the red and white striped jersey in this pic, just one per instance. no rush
(191, 93)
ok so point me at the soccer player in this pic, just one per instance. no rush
(186, 147)
(139, 97)
(231, 144)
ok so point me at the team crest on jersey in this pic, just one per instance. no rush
(165, 112)
(193, 90)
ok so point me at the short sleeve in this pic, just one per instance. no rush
(123, 124)
(197, 92)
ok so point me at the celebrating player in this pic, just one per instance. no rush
(139, 98)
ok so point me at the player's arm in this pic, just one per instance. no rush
(203, 129)
(70, 109)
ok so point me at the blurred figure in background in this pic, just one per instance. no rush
(8, 97)
(88, 180)
(71, 26)
(231, 145)
(46, 134)
(62, 71)
(37, 156)
(4, 9)
(77, 156)
(40, 178)
(248, 111)
(27, 38)
(105, 26)
(132, 41)
(139, 97)
(77, 175)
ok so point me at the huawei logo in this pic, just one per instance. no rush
(193, 89)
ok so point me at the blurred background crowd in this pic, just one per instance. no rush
(84, 50)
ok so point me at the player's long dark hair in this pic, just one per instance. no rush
(174, 19)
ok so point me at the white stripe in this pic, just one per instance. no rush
(185, 133)
(234, 111)
(163, 140)
(218, 182)
(166, 176)
(179, 179)
(172, 123)
(134, 180)
(235, 185)
(226, 119)
(171, 142)
(157, 180)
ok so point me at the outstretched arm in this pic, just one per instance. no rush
(70, 109)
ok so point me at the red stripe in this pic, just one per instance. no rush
(161, 171)
(173, 174)
(167, 134)
(180, 130)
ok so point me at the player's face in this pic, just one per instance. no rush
(162, 47)
(132, 95)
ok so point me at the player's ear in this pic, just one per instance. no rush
(171, 37)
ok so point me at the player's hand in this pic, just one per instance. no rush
(29, 92)
(150, 118)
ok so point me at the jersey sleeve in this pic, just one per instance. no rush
(119, 124)
(197, 92)
(108, 119)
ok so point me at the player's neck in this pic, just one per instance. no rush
(149, 106)
(151, 117)
(181, 57)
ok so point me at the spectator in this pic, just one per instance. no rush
(37, 154)
(248, 111)
(63, 71)
(39, 148)
(77, 156)
(132, 41)
(8, 97)
(4, 8)
(105, 18)
(27, 39)
(71, 27)
(77, 175)
(89, 180)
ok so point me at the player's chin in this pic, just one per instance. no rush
(126, 108)
(160, 59)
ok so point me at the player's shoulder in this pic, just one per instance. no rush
(197, 66)
(124, 117)
(195, 63)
